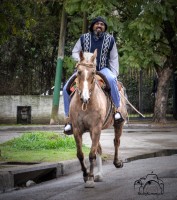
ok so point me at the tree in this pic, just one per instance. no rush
(150, 41)
(28, 46)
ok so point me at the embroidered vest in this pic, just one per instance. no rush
(103, 45)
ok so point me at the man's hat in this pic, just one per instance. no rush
(97, 19)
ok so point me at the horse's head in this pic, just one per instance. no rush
(86, 70)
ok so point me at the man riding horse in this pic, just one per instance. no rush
(107, 63)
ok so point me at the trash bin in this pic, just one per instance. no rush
(23, 114)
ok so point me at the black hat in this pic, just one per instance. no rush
(97, 19)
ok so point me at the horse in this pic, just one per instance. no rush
(91, 110)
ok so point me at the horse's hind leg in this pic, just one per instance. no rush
(80, 156)
(99, 175)
(118, 132)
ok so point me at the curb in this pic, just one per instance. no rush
(160, 153)
(32, 128)
(61, 127)
(14, 176)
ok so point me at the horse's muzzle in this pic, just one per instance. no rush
(85, 96)
(85, 100)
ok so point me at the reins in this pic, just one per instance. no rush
(131, 105)
(89, 65)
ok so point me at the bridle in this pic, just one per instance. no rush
(87, 65)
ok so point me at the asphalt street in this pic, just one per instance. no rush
(118, 184)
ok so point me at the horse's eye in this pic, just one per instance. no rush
(79, 72)
(93, 72)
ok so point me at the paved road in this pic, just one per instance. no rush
(118, 184)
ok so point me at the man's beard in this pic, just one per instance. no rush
(98, 33)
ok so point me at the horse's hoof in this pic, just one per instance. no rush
(98, 177)
(89, 184)
(85, 179)
(118, 164)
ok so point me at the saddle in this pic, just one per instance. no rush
(104, 84)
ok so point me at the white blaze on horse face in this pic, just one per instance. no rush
(85, 92)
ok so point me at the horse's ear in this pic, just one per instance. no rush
(94, 56)
(81, 56)
(95, 53)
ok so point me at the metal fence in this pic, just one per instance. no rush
(139, 86)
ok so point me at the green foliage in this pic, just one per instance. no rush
(42, 140)
(68, 66)
(28, 51)
(144, 43)
(30, 32)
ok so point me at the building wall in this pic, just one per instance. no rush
(41, 107)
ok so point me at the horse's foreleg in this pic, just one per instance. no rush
(92, 157)
(80, 156)
(118, 132)
(95, 136)
(99, 176)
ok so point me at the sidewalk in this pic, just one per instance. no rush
(137, 142)
(12, 131)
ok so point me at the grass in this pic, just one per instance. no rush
(40, 147)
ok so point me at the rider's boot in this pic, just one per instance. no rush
(68, 127)
(118, 117)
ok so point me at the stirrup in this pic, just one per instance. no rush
(118, 117)
(68, 129)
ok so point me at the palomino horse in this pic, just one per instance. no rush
(91, 111)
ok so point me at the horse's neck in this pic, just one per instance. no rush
(98, 94)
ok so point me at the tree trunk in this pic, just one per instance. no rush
(85, 23)
(161, 97)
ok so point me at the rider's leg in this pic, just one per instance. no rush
(112, 79)
(66, 98)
